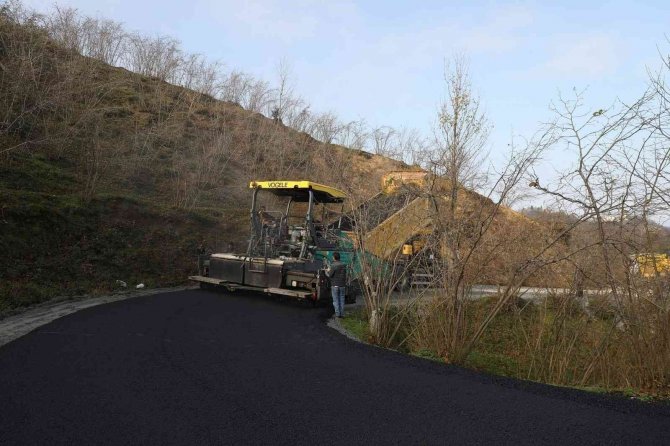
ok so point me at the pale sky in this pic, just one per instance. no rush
(383, 60)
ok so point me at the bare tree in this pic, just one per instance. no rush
(303, 121)
(607, 143)
(283, 94)
(411, 146)
(15, 12)
(198, 74)
(65, 27)
(257, 97)
(459, 138)
(158, 57)
(618, 185)
(353, 135)
(106, 41)
(384, 141)
(100, 39)
(465, 226)
(383, 276)
(461, 131)
(326, 128)
(235, 86)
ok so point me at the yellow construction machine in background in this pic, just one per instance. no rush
(649, 265)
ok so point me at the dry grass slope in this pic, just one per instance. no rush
(107, 174)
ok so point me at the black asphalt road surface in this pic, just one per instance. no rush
(200, 367)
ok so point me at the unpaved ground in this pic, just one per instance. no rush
(17, 325)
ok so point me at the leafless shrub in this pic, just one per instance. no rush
(158, 57)
(464, 231)
(353, 135)
(198, 74)
(14, 12)
(384, 278)
(27, 86)
(618, 184)
(411, 146)
(257, 96)
(235, 86)
(200, 169)
(383, 140)
(326, 128)
(104, 40)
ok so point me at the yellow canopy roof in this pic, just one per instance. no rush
(299, 190)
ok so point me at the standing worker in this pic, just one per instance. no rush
(337, 271)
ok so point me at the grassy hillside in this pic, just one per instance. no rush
(108, 175)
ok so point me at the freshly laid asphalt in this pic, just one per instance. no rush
(200, 367)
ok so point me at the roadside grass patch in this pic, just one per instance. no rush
(63, 245)
(550, 342)
(495, 363)
(356, 323)
(427, 354)
(36, 172)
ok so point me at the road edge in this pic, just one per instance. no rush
(16, 325)
(334, 323)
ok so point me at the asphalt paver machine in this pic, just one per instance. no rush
(295, 229)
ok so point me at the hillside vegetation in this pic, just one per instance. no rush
(110, 175)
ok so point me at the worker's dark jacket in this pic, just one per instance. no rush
(337, 273)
